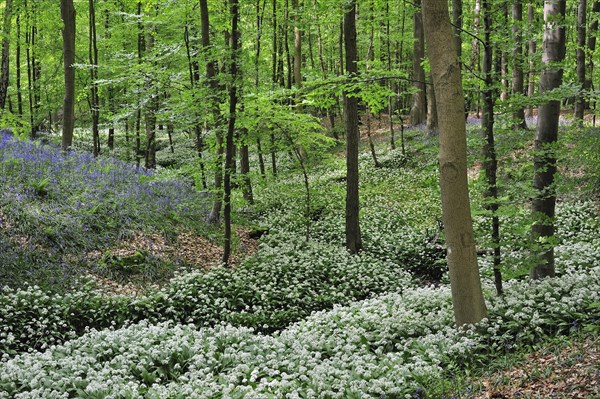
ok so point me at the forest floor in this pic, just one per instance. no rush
(562, 369)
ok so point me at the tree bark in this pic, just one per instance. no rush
(68, 16)
(517, 71)
(5, 64)
(531, 50)
(211, 75)
(353, 238)
(229, 152)
(418, 111)
(475, 62)
(94, 99)
(457, 20)
(580, 58)
(591, 45)
(542, 231)
(467, 296)
(432, 121)
(18, 68)
(490, 162)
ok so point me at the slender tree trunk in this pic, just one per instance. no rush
(475, 63)
(5, 64)
(580, 58)
(211, 75)
(467, 296)
(93, 57)
(418, 112)
(504, 55)
(517, 70)
(68, 33)
(18, 68)
(457, 20)
(371, 144)
(297, 45)
(353, 238)
(531, 50)
(233, 99)
(490, 162)
(542, 231)
(591, 44)
(138, 119)
(432, 121)
(286, 42)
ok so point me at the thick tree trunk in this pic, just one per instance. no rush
(580, 58)
(542, 231)
(467, 296)
(4, 62)
(67, 12)
(517, 71)
(229, 152)
(418, 111)
(353, 238)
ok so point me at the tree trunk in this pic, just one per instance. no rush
(457, 19)
(67, 12)
(432, 121)
(353, 239)
(5, 65)
(93, 57)
(542, 231)
(531, 50)
(591, 45)
(211, 75)
(467, 296)
(418, 111)
(517, 72)
(490, 162)
(233, 99)
(475, 62)
(18, 68)
(580, 58)
(297, 45)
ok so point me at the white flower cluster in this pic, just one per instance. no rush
(381, 347)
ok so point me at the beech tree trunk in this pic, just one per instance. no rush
(418, 111)
(517, 70)
(67, 12)
(4, 62)
(211, 75)
(580, 58)
(229, 151)
(591, 45)
(542, 231)
(467, 296)
(490, 162)
(531, 50)
(18, 68)
(475, 62)
(94, 98)
(353, 238)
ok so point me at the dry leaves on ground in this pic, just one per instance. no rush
(568, 371)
